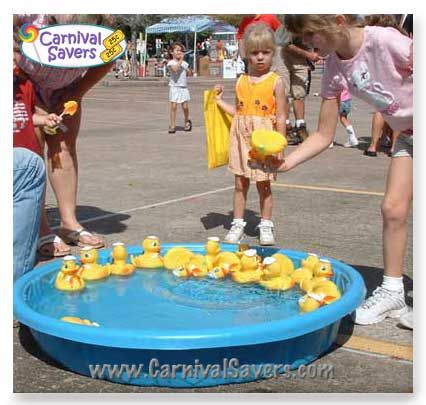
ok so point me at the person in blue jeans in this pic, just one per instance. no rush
(29, 180)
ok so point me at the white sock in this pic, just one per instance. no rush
(299, 123)
(287, 122)
(393, 283)
(267, 222)
(238, 221)
(351, 132)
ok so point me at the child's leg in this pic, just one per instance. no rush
(185, 108)
(242, 185)
(395, 210)
(173, 108)
(376, 132)
(265, 199)
(266, 226)
(388, 299)
(236, 232)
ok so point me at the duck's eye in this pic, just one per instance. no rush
(66, 266)
(154, 244)
(87, 255)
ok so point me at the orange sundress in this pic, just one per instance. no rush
(255, 110)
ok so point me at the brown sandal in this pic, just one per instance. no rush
(188, 126)
(55, 240)
(74, 238)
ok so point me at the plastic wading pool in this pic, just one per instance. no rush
(159, 330)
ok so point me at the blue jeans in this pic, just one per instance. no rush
(29, 179)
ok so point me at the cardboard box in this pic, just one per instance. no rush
(203, 66)
(215, 69)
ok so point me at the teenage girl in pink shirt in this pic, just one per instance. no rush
(377, 64)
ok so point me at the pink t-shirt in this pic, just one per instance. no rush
(381, 74)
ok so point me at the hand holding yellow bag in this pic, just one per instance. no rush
(218, 125)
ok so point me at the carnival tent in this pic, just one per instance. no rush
(189, 24)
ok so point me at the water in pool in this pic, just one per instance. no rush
(157, 299)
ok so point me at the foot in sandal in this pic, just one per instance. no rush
(82, 237)
(52, 246)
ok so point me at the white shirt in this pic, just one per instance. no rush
(178, 78)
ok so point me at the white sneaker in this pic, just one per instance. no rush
(266, 234)
(407, 319)
(236, 232)
(331, 145)
(352, 141)
(382, 304)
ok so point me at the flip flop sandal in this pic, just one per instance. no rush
(74, 238)
(370, 153)
(172, 130)
(48, 239)
(188, 126)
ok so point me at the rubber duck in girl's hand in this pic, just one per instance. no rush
(287, 266)
(251, 268)
(310, 261)
(80, 321)
(90, 269)
(212, 250)
(150, 259)
(323, 269)
(273, 277)
(119, 267)
(68, 278)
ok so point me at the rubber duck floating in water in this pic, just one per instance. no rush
(274, 278)
(150, 259)
(80, 321)
(212, 250)
(324, 292)
(68, 278)
(90, 269)
(287, 266)
(322, 272)
(310, 261)
(251, 268)
(177, 257)
(119, 267)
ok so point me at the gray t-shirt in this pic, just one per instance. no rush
(178, 79)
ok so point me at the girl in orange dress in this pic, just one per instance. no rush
(260, 103)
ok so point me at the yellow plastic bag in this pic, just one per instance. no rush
(218, 124)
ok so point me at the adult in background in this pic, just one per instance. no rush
(53, 87)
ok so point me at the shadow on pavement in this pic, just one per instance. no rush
(215, 219)
(31, 346)
(113, 224)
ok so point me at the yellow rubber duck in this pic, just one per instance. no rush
(181, 272)
(212, 250)
(219, 272)
(150, 259)
(197, 266)
(68, 278)
(287, 266)
(119, 267)
(90, 269)
(323, 269)
(308, 303)
(327, 290)
(242, 247)
(251, 268)
(80, 321)
(228, 260)
(307, 285)
(310, 261)
(301, 274)
(177, 257)
(274, 278)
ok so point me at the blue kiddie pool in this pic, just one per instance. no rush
(159, 330)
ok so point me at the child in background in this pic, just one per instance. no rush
(344, 110)
(178, 90)
(260, 102)
(388, 87)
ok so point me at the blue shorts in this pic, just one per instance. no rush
(345, 107)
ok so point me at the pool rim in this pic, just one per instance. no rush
(266, 332)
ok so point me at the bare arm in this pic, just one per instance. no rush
(281, 101)
(319, 140)
(229, 108)
(313, 56)
(92, 76)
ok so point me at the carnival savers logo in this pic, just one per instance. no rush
(72, 45)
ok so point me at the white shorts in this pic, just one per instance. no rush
(178, 94)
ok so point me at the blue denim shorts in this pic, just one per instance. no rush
(403, 146)
(345, 107)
